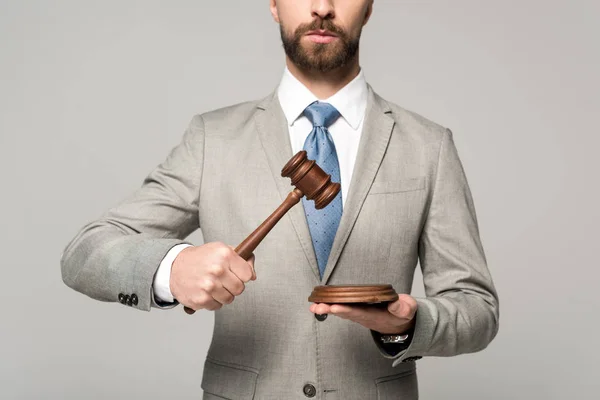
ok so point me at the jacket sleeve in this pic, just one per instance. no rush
(115, 257)
(460, 313)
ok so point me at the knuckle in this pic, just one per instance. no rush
(218, 244)
(208, 285)
(217, 269)
(224, 251)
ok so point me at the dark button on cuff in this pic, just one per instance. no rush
(321, 317)
(309, 390)
(121, 298)
(134, 299)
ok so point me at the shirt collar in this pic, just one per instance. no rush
(350, 101)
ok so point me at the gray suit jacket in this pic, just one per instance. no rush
(409, 200)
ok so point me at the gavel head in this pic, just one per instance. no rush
(308, 177)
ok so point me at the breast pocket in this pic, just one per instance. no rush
(398, 186)
(386, 232)
(229, 381)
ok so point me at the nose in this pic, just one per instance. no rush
(323, 9)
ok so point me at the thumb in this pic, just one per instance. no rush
(251, 262)
(405, 307)
(395, 307)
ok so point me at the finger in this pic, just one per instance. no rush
(352, 312)
(232, 283)
(367, 316)
(342, 309)
(213, 305)
(313, 307)
(251, 262)
(215, 289)
(203, 300)
(222, 295)
(320, 308)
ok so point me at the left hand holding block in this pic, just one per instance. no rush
(397, 318)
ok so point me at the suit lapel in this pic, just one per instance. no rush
(374, 139)
(274, 136)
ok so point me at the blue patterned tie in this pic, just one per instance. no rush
(319, 146)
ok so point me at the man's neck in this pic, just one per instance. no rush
(325, 84)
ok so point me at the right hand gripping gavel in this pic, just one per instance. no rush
(310, 180)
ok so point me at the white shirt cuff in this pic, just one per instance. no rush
(162, 279)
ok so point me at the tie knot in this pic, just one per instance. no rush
(321, 114)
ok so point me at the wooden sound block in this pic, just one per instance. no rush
(340, 294)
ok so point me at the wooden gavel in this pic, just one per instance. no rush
(310, 181)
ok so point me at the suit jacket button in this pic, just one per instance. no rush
(121, 298)
(134, 299)
(321, 317)
(309, 390)
(125, 299)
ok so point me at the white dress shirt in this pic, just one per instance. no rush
(294, 97)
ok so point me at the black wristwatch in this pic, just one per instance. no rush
(393, 344)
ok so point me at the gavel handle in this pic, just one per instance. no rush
(249, 244)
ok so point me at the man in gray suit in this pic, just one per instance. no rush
(404, 199)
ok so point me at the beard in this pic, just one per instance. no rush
(321, 57)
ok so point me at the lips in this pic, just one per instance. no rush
(321, 36)
(321, 32)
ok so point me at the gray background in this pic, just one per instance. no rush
(94, 94)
